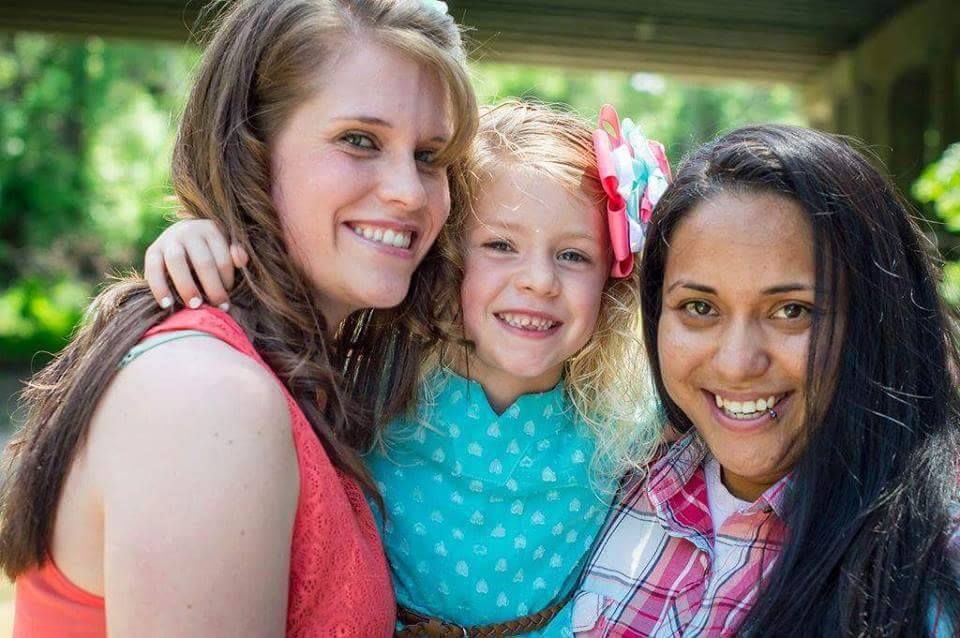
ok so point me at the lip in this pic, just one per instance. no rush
(395, 251)
(748, 426)
(528, 334)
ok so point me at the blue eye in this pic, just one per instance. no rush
(574, 256)
(359, 140)
(426, 156)
(499, 245)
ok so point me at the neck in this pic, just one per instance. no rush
(746, 489)
(501, 388)
(334, 314)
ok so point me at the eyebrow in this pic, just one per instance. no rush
(773, 290)
(515, 227)
(376, 121)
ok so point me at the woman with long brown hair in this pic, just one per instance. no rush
(194, 473)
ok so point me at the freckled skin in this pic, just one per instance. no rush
(739, 338)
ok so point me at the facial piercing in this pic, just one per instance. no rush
(773, 414)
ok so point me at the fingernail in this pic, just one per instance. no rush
(225, 307)
(166, 302)
(195, 302)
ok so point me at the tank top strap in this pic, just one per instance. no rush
(210, 320)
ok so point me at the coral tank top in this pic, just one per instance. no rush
(339, 581)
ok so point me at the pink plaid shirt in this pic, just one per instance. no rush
(651, 573)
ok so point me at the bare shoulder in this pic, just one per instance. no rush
(192, 455)
(197, 391)
(191, 401)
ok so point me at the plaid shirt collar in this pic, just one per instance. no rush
(675, 471)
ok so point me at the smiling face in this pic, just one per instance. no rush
(355, 184)
(536, 261)
(738, 295)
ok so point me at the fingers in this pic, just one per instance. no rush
(192, 254)
(220, 251)
(175, 260)
(156, 276)
(205, 266)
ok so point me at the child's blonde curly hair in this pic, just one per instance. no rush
(607, 380)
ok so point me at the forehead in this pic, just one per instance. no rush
(743, 241)
(377, 81)
(538, 201)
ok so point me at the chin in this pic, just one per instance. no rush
(384, 294)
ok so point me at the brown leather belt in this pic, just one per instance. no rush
(420, 626)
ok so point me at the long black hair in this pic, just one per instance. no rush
(868, 512)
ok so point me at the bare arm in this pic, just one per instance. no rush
(195, 464)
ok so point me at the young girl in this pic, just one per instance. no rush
(795, 331)
(529, 406)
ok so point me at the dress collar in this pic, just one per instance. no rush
(550, 411)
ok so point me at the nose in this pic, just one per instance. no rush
(741, 353)
(401, 185)
(538, 275)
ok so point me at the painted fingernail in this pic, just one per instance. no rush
(166, 302)
(195, 302)
(225, 307)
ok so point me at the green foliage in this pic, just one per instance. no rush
(680, 114)
(36, 315)
(939, 185)
(86, 135)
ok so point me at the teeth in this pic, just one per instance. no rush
(745, 409)
(388, 237)
(527, 322)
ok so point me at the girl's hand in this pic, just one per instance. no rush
(196, 243)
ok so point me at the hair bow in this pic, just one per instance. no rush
(634, 172)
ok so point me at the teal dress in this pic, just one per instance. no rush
(488, 517)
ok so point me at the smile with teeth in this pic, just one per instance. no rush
(526, 322)
(385, 236)
(745, 410)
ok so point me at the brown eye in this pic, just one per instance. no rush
(792, 311)
(699, 308)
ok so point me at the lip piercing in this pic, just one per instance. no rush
(773, 414)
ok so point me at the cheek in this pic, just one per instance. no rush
(791, 354)
(680, 353)
(438, 197)
(586, 301)
(472, 298)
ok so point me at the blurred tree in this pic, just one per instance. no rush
(85, 139)
(680, 114)
(939, 186)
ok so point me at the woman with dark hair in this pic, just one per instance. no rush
(195, 473)
(798, 343)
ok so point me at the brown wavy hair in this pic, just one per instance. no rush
(264, 59)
